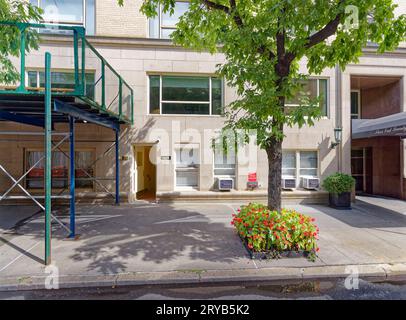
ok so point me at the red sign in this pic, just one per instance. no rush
(252, 177)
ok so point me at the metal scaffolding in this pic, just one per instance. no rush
(22, 106)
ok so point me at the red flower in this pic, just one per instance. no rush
(250, 245)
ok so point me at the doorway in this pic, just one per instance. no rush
(361, 169)
(144, 173)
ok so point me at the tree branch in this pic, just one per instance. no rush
(212, 5)
(236, 16)
(328, 30)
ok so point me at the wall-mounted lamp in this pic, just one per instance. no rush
(337, 136)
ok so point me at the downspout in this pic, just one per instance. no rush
(338, 115)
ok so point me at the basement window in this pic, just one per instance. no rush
(84, 169)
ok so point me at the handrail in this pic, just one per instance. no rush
(80, 44)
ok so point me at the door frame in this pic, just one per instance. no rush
(134, 165)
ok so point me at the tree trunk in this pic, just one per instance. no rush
(274, 152)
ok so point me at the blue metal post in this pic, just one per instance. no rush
(117, 169)
(48, 157)
(72, 176)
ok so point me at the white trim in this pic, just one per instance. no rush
(297, 175)
(327, 115)
(161, 101)
(359, 104)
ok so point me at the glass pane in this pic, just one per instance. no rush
(357, 166)
(186, 178)
(90, 13)
(59, 170)
(323, 95)
(187, 157)
(216, 96)
(289, 172)
(169, 20)
(166, 33)
(60, 80)
(354, 103)
(185, 108)
(308, 89)
(224, 172)
(308, 159)
(154, 94)
(83, 169)
(308, 172)
(289, 159)
(154, 27)
(32, 79)
(357, 153)
(185, 88)
(90, 85)
(63, 11)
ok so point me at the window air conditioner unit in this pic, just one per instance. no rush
(310, 182)
(225, 184)
(288, 182)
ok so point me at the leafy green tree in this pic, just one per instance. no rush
(15, 11)
(263, 42)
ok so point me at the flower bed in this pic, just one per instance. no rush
(271, 234)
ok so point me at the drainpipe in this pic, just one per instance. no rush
(338, 115)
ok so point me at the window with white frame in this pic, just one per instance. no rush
(355, 104)
(163, 24)
(308, 163)
(289, 163)
(185, 95)
(61, 80)
(187, 166)
(224, 160)
(299, 163)
(312, 88)
(68, 12)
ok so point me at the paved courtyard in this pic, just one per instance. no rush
(193, 237)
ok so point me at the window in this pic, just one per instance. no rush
(224, 160)
(298, 164)
(187, 166)
(289, 163)
(62, 81)
(162, 25)
(185, 95)
(59, 164)
(308, 163)
(312, 88)
(68, 12)
(60, 169)
(84, 173)
(355, 104)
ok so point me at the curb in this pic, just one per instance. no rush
(370, 272)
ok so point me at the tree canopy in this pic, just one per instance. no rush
(15, 11)
(263, 42)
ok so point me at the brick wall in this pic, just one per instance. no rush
(126, 21)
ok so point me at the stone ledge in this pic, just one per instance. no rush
(288, 197)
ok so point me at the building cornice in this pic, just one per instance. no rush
(133, 42)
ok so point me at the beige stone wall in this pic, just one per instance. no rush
(136, 60)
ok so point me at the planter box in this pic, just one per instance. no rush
(273, 254)
(340, 201)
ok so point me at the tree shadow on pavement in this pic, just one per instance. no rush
(155, 235)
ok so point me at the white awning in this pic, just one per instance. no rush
(393, 125)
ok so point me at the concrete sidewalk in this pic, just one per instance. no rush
(150, 243)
